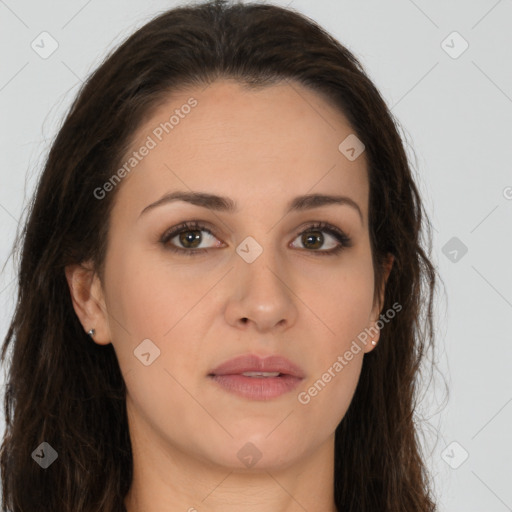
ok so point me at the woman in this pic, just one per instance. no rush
(226, 222)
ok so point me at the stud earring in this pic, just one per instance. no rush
(91, 333)
(374, 342)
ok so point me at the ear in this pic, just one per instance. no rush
(88, 300)
(373, 330)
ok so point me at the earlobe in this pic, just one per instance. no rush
(374, 335)
(88, 301)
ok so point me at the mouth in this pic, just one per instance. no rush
(257, 378)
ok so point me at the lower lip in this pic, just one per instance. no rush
(257, 388)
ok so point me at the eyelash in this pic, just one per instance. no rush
(344, 240)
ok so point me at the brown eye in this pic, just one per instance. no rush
(186, 238)
(313, 239)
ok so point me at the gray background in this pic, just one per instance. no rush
(456, 113)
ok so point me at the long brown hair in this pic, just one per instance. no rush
(63, 389)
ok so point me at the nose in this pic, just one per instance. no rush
(261, 295)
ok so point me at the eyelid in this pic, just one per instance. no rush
(341, 236)
(343, 239)
(190, 225)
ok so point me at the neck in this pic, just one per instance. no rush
(165, 479)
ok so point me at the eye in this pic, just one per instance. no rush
(186, 238)
(312, 237)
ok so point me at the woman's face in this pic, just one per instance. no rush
(261, 281)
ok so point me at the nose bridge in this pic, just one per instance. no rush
(260, 264)
(260, 292)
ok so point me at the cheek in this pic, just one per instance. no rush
(150, 307)
(147, 297)
(328, 395)
(150, 301)
(343, 302)
(344, 305)
(351, 312)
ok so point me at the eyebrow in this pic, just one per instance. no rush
(225, 204)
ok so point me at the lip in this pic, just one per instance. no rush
(254, 363)
(229, 376)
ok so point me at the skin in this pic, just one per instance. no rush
(261, 148)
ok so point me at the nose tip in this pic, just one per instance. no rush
(260, 297)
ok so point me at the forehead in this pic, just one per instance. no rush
(260, 145)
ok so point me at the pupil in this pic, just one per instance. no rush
(314, 238)
(188, 237)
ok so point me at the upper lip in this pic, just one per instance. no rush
(254, 363)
